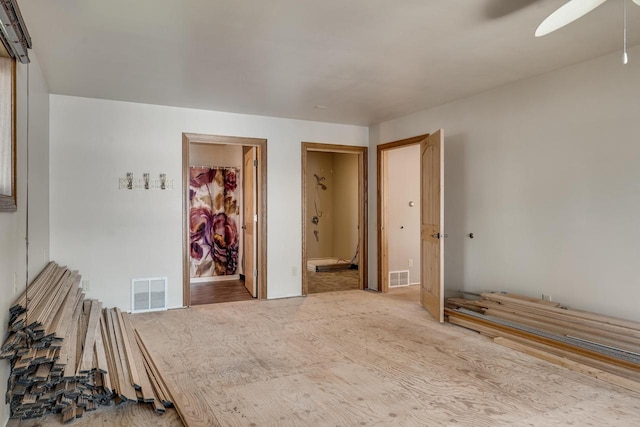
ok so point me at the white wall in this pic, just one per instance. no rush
(403, 221)
(545, 172)
(113, 235)
(13, 225)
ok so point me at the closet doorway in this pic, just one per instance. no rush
(224, 218)
(399, 213)
(334, 224)
(427, 182)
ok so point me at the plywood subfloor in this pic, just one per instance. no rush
(361, 358)
(332, 281)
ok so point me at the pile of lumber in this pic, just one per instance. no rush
(69, 355)
(604, 347)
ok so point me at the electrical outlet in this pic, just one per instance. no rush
(294, 271)
(410, 262)
(86, 285)
(546, 297)
(15, 282)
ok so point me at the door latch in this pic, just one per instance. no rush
(439, 236)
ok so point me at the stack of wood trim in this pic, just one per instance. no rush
(69, 355)
(604, 347)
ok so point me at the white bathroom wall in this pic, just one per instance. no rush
(112, 235)
(345, 205)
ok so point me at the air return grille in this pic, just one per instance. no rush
(148, 294)
(398, 278)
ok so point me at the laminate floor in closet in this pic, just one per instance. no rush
(215, 292)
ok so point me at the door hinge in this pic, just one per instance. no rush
(255, 273)
(255, 218)
(439, 236)
(255, 163)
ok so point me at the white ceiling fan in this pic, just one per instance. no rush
(573, 10)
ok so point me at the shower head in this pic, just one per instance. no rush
(319, 180)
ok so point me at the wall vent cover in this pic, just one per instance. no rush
(398, 278)
(148, 294)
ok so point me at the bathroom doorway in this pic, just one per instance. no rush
(334, 218)
(224, 220)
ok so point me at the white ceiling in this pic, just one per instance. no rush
(367, 61)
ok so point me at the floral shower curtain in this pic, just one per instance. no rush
(213, 215)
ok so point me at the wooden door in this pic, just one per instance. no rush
(432, 224)
(249, 217)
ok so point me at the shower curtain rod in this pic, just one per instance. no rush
(215, 167)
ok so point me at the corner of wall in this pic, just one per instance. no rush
(32, 120)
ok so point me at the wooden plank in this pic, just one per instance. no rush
(158, 392)
(40, 281)
(570, 364)
(112, 374)
(128, 351)
(532, 300)
(126, 390)
(66, 321)
(465, 303)
(634, 326)
(109, 342)
(564, 331)
(145, 383)
(86, 360)
(533, 337)
(36, 295)
(67, 305)
(493, 333)
(154, 373)
(70, 414)
(56, 299)
(68, 350)
(618, 332)
(39, 302)
(616, 370)
(99, 350)
(83, 322)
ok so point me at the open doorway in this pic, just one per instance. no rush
(333, 218)
(397, 189)
(399, 213)
(224, 220)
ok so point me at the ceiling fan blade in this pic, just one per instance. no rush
(566, 14)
